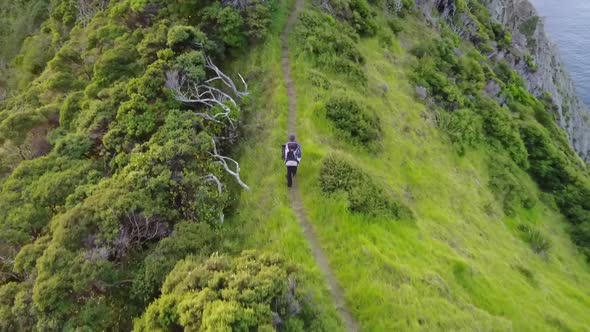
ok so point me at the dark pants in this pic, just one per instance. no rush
(291, 171)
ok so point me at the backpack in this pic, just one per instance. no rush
(291, 152)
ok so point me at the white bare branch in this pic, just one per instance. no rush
(204, 94)
(7, 260)
(223, 161)
(213, 178)
(88, 8)
(227, 81)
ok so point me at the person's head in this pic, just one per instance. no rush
(292, 138)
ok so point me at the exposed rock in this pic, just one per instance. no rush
(421, 92)
(383, 89)
(492, 89)
(549, 74)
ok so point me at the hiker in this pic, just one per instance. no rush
(292, 158)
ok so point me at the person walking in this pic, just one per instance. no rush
(292, 157)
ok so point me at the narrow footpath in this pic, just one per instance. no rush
(296, 201)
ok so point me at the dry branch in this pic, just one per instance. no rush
(223, 160)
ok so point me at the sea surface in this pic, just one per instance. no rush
(568, 24)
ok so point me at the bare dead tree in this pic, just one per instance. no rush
(206, 94)
(7, 260)
(226, 79)
(136, 229)
(223, 161)
(88, 8)
(459, 28)
(216, 101)
(395, 6)
(325, 5)
(213, 178)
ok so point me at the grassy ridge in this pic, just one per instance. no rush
(263, 217)
(461, 265)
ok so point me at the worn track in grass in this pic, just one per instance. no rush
(295, 195)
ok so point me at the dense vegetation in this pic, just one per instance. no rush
(506, 117)
(108, 176)
(117, 211)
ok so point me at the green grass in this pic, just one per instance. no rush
(263, 218)
(461, 265)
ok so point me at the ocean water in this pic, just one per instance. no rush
(568, 24)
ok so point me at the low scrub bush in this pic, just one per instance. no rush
(354, 121)
(463, 126)
(331, 45)
(364, 196)
(395, 24)
(506, 186)
(251, 292)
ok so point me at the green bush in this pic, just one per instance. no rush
(354, 121)
(74, 146)
(331, 45)
(530, 62)
(529, 26)
(257, 19)
(181, 37)
(364, 196)
(186, 239)
(503, 131)
(192, 65)
(70, 108)
(116, 63)
(253, 291)
(464, 127)
(505, 184)
(225, 25)
(395, 24)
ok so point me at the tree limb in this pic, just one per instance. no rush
(222, 160)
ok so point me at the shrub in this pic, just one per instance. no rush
(192, 65)
(181, 37)
(529, 26)
(581, 236)
(197, 239)
(530, 62)
(364, 196)
(257, 19)
(506, 186)
(331, 45)
(224, 24)
(253, 291)
(395, 25)
(74, 146)
(116, 63)
(70, 108)
(17, 125)
(463, 126)
(354, 121)
(500, 126)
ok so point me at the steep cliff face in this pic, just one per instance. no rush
(551, 75)
(544, 72)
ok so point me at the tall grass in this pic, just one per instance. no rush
(460, 265)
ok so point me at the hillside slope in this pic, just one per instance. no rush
(443, 194)
(462, 262)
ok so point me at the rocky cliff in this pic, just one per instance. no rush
(551, 75)
(544, 72)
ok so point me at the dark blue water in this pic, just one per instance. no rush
(568, 24)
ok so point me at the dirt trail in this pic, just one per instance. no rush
(295, 195)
